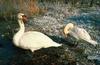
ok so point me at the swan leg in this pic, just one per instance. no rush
(33, 49)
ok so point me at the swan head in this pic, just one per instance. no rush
(22, 17)
(68, 28)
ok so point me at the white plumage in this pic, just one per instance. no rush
(78, 33)
(32, 40)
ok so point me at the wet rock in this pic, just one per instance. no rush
(64, 55)
(54, 56)
(49, 56)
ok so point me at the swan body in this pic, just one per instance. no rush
(78, 33)
(32, 40)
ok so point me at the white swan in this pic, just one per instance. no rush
(32, 40)
(78, 33)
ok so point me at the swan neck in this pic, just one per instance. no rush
(19, 34)
(21, 24)
(22, 28)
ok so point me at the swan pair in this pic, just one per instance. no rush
(34, 40)
(31, 40)
(78, 33)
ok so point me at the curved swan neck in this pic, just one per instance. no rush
(19, 34)
(21, 24)
(22, 28)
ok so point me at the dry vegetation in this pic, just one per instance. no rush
(11, 7)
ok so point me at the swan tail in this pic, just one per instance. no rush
(57, 44)
(93, 42)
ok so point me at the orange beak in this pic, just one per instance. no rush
(24, 18)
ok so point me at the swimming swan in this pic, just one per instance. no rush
(31, 40)
(78, 33)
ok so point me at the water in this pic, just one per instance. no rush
(89, 21)
(6, 49)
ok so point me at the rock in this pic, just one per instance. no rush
(45, 56)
